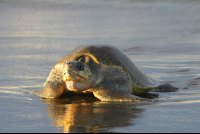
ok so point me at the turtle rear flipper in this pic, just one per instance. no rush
(139, 90)
(51, 90)
(165, 88)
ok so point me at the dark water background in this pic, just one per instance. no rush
(161, 37)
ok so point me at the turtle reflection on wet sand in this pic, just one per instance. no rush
(103, 70)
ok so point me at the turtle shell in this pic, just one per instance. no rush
(111, 56)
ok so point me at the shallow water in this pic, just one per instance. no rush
(161, 37)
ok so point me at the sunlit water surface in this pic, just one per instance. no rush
(161, 37)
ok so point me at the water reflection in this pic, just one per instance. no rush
(87, 114)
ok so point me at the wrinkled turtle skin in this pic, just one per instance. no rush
(103, 70)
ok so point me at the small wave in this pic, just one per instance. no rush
(10, 92)
(20, 92)
(180, 102)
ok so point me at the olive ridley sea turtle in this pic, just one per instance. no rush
(103, 70)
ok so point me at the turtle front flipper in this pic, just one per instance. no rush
(51, 90)
(116, 95)
(116, 86)
(54, 85)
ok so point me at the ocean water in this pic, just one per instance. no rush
(160, 37)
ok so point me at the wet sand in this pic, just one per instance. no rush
(161, 37)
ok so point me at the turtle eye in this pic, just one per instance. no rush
(79, 66)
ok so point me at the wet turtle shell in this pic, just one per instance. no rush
(112, 57)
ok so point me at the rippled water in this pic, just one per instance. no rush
(161, 37)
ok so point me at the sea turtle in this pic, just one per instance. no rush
(103, 70)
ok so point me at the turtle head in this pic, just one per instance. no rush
(78, 76)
